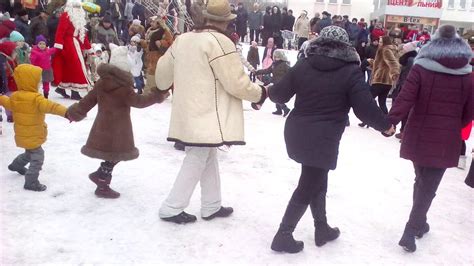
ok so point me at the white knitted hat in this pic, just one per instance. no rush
(119, 57)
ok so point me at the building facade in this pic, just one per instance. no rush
(426, 13)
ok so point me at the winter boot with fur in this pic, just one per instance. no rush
(283, 240)
(102, 178)
(408, 239)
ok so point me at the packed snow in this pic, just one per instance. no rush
(369, 199)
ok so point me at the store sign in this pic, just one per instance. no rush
(412, 20)
(417, 3)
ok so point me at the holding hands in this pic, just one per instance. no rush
(390, 132)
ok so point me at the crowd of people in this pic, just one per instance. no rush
(343, 65)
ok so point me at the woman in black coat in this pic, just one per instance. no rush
(266, 31)
(276, 25)
(327, 84)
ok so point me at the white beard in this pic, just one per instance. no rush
(77, 16)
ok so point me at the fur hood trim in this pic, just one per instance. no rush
(114, 77)
(437, 67)
(333, 49)
(443, 48)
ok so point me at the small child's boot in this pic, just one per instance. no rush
(32, 183)
(102, 178)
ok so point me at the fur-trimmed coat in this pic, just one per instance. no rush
(327, 83)
(385, 68)
(209, 86)
(437, 98)
(111, 136)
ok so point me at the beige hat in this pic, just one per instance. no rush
(218, 10)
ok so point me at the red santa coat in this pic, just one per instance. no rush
(68, 64)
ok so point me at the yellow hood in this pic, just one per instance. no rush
(27, 77)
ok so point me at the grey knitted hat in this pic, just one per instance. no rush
(334, 33)
(279, 54)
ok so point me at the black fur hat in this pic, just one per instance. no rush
(446, 32)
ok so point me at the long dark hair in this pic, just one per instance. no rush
(387, 40)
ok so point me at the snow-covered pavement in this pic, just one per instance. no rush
(369, 199)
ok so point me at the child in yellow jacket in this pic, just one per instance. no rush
(29, 108)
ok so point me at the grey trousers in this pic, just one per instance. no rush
(199, 165)
(35, 158)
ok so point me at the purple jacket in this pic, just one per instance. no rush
(42, 58)
(438, 98)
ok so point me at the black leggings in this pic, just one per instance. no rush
(426, 184)
(381, 91)
(311, 190)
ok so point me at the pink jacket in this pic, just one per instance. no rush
(42, 58)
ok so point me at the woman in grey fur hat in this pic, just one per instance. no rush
(437, 98)
(327, 83)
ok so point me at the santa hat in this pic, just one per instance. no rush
(15, 36)
(119, 57)
(7, 47)
(41, 38)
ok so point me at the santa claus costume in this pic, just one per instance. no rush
(69, 67)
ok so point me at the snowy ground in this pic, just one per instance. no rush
(369, 199)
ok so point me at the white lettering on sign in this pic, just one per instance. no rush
(417, 3)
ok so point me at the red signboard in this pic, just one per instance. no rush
(417, 3)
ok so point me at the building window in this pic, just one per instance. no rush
(346, 2)
(319, 1)
(333, 1)
(451, 4)
(462, 4)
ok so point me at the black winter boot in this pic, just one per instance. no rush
(182, 218)
(62, 92)
(324, 233)
(75, 96)
(286, 111)
(422, 231)
(283, 240)
(222, 212)
(408, 239)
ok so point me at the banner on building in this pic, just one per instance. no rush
(417, 3)
(412, 20)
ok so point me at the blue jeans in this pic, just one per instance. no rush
(139, 83)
